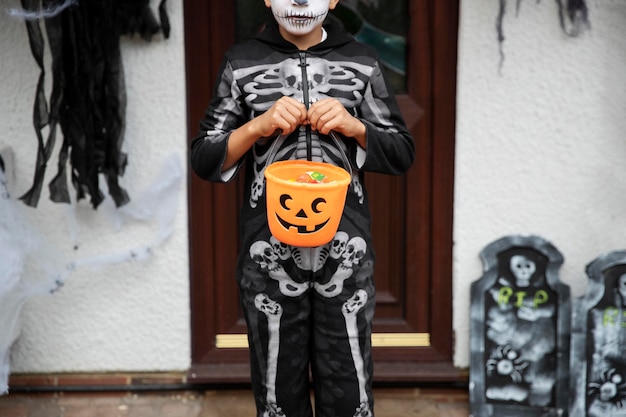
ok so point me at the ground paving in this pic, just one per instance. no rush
(389, 402)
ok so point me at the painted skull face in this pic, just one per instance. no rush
(299, 17)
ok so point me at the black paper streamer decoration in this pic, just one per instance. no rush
(573, 18)
(88, 97)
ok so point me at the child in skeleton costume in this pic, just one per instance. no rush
(307, 309)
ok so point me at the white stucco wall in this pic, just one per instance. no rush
(539, 151)
(540, 144)
(131, 316)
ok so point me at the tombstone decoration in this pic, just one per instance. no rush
(519, 335)
(598, 354)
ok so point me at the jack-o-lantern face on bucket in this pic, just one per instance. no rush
(306, 216)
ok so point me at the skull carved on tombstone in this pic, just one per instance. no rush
(522, 269)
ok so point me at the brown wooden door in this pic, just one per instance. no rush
(412, 215)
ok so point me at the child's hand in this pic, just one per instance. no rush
(329, 114)
(285, 114)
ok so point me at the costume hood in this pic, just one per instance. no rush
(337, 36)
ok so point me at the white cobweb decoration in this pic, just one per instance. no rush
(30, 266)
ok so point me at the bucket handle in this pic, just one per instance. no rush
(281, 138)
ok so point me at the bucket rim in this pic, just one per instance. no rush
(346, 177)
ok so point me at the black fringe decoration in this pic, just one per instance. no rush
(573, 18)
(88, 97)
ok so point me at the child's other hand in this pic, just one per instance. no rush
(329, 114)
(285, 114)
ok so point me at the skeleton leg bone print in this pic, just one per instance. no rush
(274, 259)
(350, 310)
(273, 311)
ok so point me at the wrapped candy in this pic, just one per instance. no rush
(312, 177)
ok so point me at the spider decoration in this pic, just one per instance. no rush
(506, 362)
(610, 388)
(88, 100)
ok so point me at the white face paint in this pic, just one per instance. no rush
(299, 17)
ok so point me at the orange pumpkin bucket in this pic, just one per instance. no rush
(302, 213)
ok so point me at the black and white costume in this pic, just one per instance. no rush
(307, 309)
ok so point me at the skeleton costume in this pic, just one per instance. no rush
(307, 309)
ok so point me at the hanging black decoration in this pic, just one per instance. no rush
(88, 96)
(573, 18)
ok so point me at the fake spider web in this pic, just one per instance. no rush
(31, 267)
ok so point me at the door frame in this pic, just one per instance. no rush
(209, 31)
